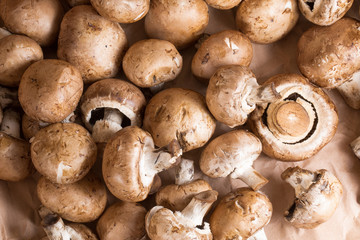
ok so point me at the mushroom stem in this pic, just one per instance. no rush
(11, 123)
(259, 235)
(200, 204)
(7, 97)
(105, 128)
(263, 94)
(250, 176)
(184, 173)
(350, 91)
(299, 179)
(355, 145)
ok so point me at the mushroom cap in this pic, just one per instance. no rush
(314, 205)
(240, 214)
(227, 93)
(15, 161)
(82, 201)
(39, 20)
(123, 219)
(324, 12)
(181, 114)
(223, 4)
(228, 152)
(113, 93)
(266, 21)
(177, 197)
(150, 62)
(229, 47)
(178, 21)
(123, 164)
(63, 152)
(17, 53)
(328, 56)
(92, 43)
(50, 90)
(124, 11)
(299, 124)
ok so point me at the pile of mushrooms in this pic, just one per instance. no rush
(102, 126)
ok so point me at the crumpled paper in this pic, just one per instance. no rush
(19, 203)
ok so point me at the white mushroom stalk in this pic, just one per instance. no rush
(184, 172)
(11, 123)
(259, 235)
(263, 94)
(350, 91)
(250, 176)
(104, 128)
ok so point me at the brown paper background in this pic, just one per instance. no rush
(18, 201)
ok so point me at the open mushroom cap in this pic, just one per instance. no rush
(328, 56)
(181, 114)
(299, 124)
(317, 196)
(50, 90)
(63, 152)
(122, 219)
(240, 214)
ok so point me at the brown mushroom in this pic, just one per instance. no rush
(181, 114)
(16, 54)
(241, 214)
(39, 20)
(317, 195)
(233, 92)
(130, 163)
(63, 152)
(229, 47)
(232, 154)
(82, 201)
(123, 220)
(160, 222)
(110, 104)
(223, 5)
(50, 90)
(92, 43)
(299, 124)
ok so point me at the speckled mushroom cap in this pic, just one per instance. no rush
(240, 214)
(181, 114)
(228, 47)
(324, 12)
(223, 4)
(150, 62)
(124, 11)
(122, 219)
(92, 43)
(299, 124)
(266, 21)
(63, 152)
(50, 90)
(17, 53)
(116, 94)
(39, 20)
(328, 56)
(317, 195)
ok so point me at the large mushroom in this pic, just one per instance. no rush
(160, 222)
(241, 214)
(299, 124)
(317, 195)
(232, 154)
(130, 163)
(181, 114)
(109, 105)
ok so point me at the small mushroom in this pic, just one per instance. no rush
(110, 104)
(55, 228)
(63, 152)
(130, 163)
(324, 12)
(350, 91)
(232, 154)
(229, 47)
(241, 214)
(299, 124)
(223, 5)
(233, 93)
(177, 113)
(152, 62)
(160, 222)
(317, 195)
(124, 220)
(82, 201)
